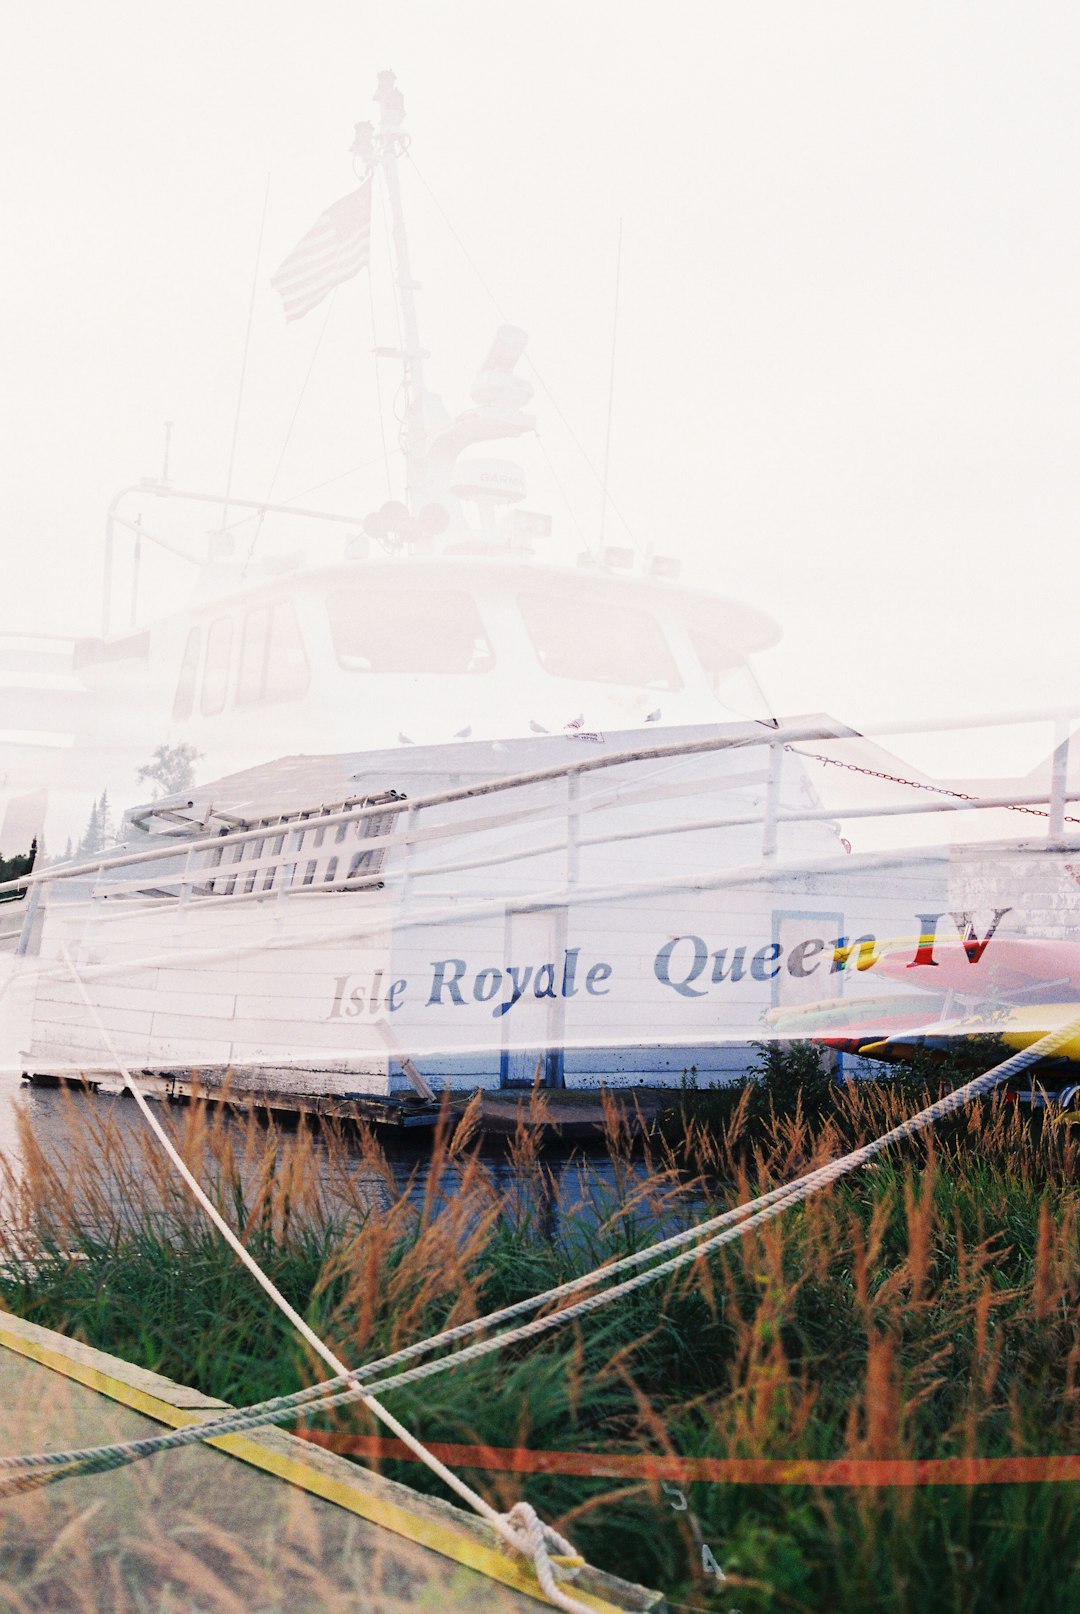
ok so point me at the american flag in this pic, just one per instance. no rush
(335, 248)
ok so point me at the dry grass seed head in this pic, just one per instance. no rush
(919, 1219)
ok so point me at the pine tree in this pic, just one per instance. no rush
(91, 835)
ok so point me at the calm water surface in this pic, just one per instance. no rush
(582, 1185)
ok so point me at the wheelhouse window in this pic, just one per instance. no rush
(409, 631)
(584, 633)
(254, 650)
(727, 670)
(215, 684)
(184, 701)
(273, 662)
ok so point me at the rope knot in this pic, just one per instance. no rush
(553, 1557)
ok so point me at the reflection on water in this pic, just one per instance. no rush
(573, 1186)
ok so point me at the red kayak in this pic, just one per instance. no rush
(1022, 966)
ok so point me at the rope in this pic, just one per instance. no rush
(723, 1229)
(522, 1530)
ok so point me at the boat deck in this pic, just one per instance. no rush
(263, 1521)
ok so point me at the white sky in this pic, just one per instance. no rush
(847, 380)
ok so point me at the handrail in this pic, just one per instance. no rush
(439, 798)
(774, 814)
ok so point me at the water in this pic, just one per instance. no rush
(580, 1188)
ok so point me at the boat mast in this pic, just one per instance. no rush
(392, 142)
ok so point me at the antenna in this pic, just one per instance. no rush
(165, 458)
(611, 393)
(244, 359)
(135, 568)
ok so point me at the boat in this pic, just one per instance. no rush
(1029, 988)
(474, 816)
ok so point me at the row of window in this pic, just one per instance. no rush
(578, 633)
(272, 664)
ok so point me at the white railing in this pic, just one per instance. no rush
(376, 841)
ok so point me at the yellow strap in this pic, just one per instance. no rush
(426, 1532)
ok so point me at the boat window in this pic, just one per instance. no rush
(409, 631)
(581, 633)
(215, 683)
(254, 648)
(727, 670)
(287, 670)
(273, 662)
(185, 687)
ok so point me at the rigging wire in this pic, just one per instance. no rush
(288, 435)
(529, 360)
(244, 360)
(571, 512)
(400, 413)
(378, 378)
(604, 496)
(316, 487)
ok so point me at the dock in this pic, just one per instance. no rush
(562, 1116)
(261, 1520)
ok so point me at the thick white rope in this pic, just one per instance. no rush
(521, 1529)
(325, 1396)
(701, 1235)
(538, 1539)
(322, 1397)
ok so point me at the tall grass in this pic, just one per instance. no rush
(926, 1307)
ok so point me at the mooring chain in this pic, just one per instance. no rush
(917, 784)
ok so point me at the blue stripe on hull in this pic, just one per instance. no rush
(592, 1067)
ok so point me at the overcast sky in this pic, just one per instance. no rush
(846, 378)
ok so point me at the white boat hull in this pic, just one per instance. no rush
(592, 926)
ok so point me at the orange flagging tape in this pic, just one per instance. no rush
(867, 1471)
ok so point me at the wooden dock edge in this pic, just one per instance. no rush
(428, 1521)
